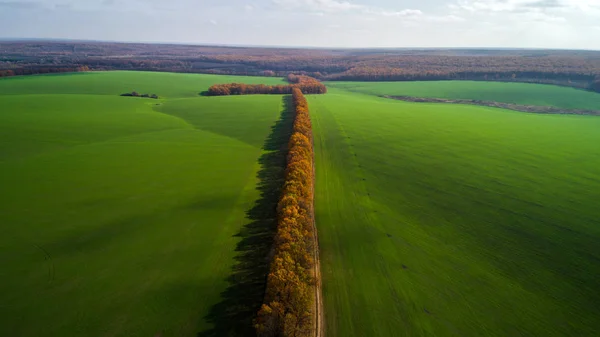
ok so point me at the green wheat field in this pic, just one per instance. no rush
(120, 216)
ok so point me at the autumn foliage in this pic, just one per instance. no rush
(6, 73)
(247, 89)
(562, 67)
(41, 70)
(513, 74)
(289, 298)
(306, 84)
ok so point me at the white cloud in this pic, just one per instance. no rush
(492, 5)
(548, 11)
(318, 5)
(445, 18)
(329, 6)
(418, 16)
(541, 17)
(350, 23)
(525, 5)
(382, 17)
(583, 4)
(402, 13)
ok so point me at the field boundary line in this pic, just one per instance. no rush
(537, 109)
(292, 305)
(319, 326)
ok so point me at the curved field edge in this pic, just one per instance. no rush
(514, 93)
(165, 85)
(445, 220)
(508, 106)
(127, 228)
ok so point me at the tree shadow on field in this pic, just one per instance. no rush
(242, 299)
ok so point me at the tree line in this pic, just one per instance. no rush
(562, 67)
(137, 94)
(247, 89)
(306, 84)
(596, 85)
(41, 70)
(288, 306)
(574, 79)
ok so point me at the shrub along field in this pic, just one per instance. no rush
(450, 220)
(119, 215)
(516, 93)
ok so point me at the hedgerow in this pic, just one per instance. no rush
(289, 298)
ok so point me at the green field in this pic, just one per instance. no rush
(119, 215)
(516, 93)
(450, 220)
(124, 216)
(168, 85)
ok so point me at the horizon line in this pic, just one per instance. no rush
(38, 39)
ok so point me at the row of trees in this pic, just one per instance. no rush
(408, 74)
(288, 307)
(137, 94)
(306, 84)
(596, 85)
(247, 89)
(41, 70)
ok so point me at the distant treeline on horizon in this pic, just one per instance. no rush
(580, 69)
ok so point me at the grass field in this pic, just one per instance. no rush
(123, 216)
(167, 85)
(516, 93)
(450, 220)
(118, 214)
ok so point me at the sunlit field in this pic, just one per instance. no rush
(451, 220)
(516, 93)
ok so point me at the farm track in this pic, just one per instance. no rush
(491, 104)
(319, 326)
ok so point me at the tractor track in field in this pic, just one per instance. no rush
(319, 320)
(319, 327)
(50, 261)
(538, 109)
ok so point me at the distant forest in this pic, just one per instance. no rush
(580, 69)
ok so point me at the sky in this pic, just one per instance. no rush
(565, 24)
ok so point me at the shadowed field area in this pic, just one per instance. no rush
(121, 217)
(234, 315)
